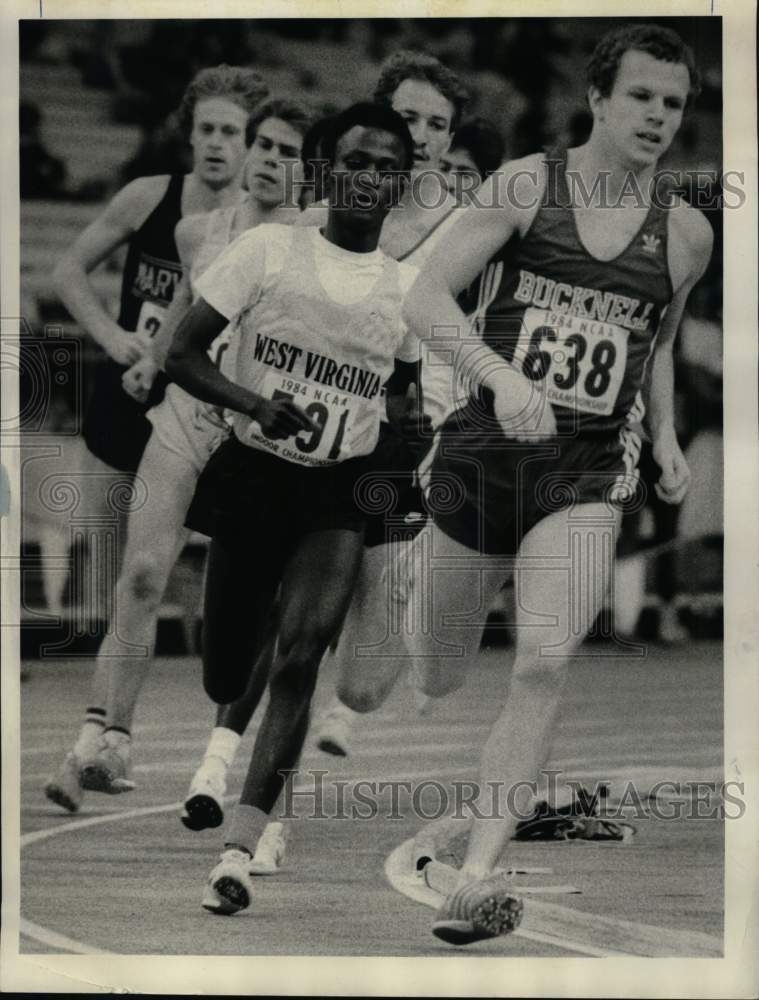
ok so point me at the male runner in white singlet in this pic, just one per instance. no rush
(185, 433)
(431, 99)
(318, 314)
(590, 282)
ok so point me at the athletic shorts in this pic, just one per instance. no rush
(244, 491)
(487, 491)
(115, 427)
(187, 427)
(390, 494)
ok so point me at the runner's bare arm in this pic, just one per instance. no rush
(138, 380)
(507, 203)
(189, 235)
(691, 239)
(123, 216)
(189, 365)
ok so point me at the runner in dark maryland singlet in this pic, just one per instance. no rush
(152, 269)
(214, 113)
(116, 429)
(185, 434)
(142, 217)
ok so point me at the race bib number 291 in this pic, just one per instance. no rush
(582, 361)
(329, 410)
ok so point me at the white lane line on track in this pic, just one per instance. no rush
(58, 941)
(400, 877)
(570, 928)
(48, 937)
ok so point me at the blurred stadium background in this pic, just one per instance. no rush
(96, 109)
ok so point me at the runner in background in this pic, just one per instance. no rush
(185, 434)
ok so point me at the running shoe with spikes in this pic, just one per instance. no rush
(203, 809)
(108, 770)
(229, 888)
(270, 851)
(64, 788)
(485, 908)
(333, 731)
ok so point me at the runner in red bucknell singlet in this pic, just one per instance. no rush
(582, 326)
(580, 301)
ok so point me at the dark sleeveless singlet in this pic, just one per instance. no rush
(115, 428)
(583, 325)
(152, 269)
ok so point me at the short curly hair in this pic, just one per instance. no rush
(484, 144)
(298, 116)
(238, 84)
(369, 115)
(411, 64)
(659, 42)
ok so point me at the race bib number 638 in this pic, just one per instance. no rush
(581, 361)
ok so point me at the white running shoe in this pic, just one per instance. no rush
(270, 851)
(203, 808)
(64, 788)
(229, 888)
(333, 730)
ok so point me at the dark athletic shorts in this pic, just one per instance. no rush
(390, 495)
(115, 427)
(245, 491)
(487, 491)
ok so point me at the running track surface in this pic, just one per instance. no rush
(133, 885)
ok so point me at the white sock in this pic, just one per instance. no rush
(223, 743)
(117, 738)
(89, 737)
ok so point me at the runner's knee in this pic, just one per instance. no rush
(143, 580)
(298, 659)
(541, 673)
(361, 697)
(437, 683)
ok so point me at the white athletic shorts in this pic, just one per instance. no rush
(187, 427)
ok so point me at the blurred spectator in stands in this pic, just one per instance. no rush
(31, 38)
(578, 130)
(42, 174)
(163, 149)
(476, 151)
(700, 368)
(700, 524)
(152, 73)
